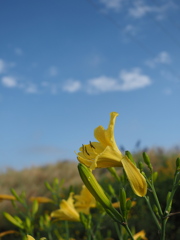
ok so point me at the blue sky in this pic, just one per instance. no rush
(65, 65)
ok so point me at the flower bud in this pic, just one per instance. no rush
(13, 220)
(147, 160)
(97, 191)
(154, 176)
(168, 202)
(129, 155)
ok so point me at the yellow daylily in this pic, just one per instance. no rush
(117, 204)
(105, 153)
(6, 197)
(84, 201)
(67, 210)
(2, 234)
(141, 235)
(29, 237)
(41, 199)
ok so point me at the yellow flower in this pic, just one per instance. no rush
(84, 201)
(31, 238)
(117, 204)
(105, 153)
(2, 234)
(6, 197)
(67, 210)
(141, 235)
(41, 199)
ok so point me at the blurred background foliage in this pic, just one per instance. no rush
(31, 181)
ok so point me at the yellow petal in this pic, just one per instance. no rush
(140, 234)
(6, 197)
(106, 136)
(41, 199)
(136, 179)
(66, 211)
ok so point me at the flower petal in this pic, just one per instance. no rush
(106, 136)
(136, 179)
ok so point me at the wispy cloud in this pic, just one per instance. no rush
(126, 81)
(162, 58)
(141, 9)
(42, 149)
(71, 86)
(167, 91)
(53, 71)
(130, 29)
(112, 4)
(31, 88)
(18, 51)
(9, 81)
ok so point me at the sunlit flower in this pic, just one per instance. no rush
(31, 238)
(117, 204)
(41, 199)
(105, 153)
(141, 235)
(67, 210)
(84, 201)
(2, 234)
(6, 197)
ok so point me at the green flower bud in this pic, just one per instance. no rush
(155, 209)
(97, 191)
(140, 165)
(16, 196)
(35, 207)
(168, 202)
(48, 186)
(13, 220)
(129, 155)
(112, 170)
(128, 205)
(154, 176)
(147, 160)
(28, 222)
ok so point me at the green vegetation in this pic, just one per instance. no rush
(57, 181)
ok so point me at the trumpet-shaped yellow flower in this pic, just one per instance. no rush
(41, 199)
(141, 235)
(6, 197)
(84, 201)
(105, 153)
(67, 210)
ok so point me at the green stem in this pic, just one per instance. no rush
(67, 230)
(168, 206)
(129, 231)
(155, 196)
(118, 231)
(163, 233)
(152, 213)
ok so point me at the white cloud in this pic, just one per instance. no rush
(126, 81)
(112, 4)
(167, 91)
(162, 58)
(2, 66)
(18, 51)
(130, 29)
(72, 86)
(9, 81)
(140, 9)
(133, 80)
(31, 88)
(53, 71)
